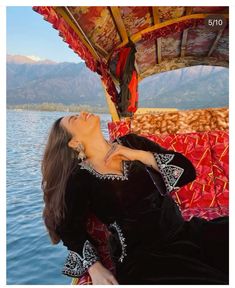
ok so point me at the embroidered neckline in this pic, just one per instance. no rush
(112, 176)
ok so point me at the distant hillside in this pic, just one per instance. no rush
(33, 82)
(185, 89)
(66, 83)
(20, 59)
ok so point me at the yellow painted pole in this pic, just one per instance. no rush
(111, 105)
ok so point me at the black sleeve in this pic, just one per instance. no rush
(72, 230)
(176, 169)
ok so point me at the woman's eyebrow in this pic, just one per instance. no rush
(70, 118)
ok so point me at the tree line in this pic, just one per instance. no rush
(60, 107)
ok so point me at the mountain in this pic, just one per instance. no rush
(30, 80)
(20, 59)
(194, 87)
(65, 83)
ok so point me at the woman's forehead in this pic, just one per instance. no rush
(65, 120)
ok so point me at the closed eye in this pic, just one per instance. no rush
(74, 117)
(71, 117)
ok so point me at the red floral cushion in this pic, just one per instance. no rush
(118, 129)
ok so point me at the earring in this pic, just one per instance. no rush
(81, 154)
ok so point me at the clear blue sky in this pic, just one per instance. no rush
(28, 34)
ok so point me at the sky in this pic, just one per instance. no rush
(30, 35)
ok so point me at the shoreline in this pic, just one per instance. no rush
(58, 107)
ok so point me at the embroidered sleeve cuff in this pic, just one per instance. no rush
(76, 265)
(170, 173)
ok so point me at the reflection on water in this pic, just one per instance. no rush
(31, 258)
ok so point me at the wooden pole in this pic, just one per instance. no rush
(111, 105)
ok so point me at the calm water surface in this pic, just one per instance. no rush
(31, 258)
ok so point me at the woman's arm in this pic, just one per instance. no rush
(146, 157)
(82, 256)
(176, 169)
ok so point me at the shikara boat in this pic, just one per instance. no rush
(124, 45)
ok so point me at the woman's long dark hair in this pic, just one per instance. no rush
(57, 165)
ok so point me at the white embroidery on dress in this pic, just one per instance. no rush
(111, 176)
(122, 240)
(171, 173)
(76, 265)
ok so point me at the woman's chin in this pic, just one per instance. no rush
(94, 122)
(96, 117)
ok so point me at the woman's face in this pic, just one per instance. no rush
(81, 125)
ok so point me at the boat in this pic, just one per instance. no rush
(125, 45)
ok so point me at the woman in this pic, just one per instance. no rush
(127, 185)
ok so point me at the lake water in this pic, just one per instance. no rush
(31, 258)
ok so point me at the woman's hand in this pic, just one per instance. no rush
(100, 275)
(118, 150)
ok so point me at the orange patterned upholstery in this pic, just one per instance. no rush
(207, 196)
(181, 121)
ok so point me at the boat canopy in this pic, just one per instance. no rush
(159, 39)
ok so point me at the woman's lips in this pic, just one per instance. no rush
(84, 115)
(88, 115)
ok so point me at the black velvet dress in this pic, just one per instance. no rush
(150, 242)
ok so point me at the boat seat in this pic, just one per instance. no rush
(207, 196)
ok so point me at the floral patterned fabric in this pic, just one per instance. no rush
(105, 36)
(98, 25)
(118, 128)
(181, 62)
(181, 121)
